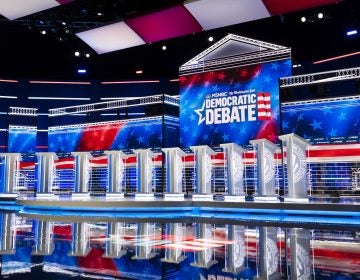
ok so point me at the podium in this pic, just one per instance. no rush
(44, 245)
(45, 172)
(9, 170)
(144, 250)
(176, 232)
(144, 169)
(235, 172)
(80, 241)
(7, 234)
(82, 174)
(265, 151)
(235, 253)
(294, 150)
(269, 254)
(203, 166)
(116, 173)
(300, 256)
(114, 246)
(204, 258)
(174, 173)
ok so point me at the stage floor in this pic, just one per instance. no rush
(313, 212)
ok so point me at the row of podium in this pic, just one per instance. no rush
(145, 240)
(294, 156)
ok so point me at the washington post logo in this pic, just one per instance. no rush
(223, 108)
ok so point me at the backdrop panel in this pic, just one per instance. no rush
(231, 105)
(334, 120)
(22, 139)
(124, 134)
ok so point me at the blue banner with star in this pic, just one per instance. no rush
(22, 139)
(323, 121)
(231, 105)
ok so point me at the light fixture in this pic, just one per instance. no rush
(43, 32)
(163, 48)
(87, 55)
(211, 39)
(63, 23)
(100, 14)
(320, 15)
(81, 71)
(139, 72)
(351, 32)
(77, 53)
(303, 19)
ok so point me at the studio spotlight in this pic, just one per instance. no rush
(351, 32)
(320, 15)
(43, 32)
(63, 23)
(211, 39)
(303, 19)
(87, 55)
(163, 48)
(81, 71)
(77, 53)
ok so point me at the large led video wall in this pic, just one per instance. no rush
(231, 105)
(22, 139)
(331, 120)
(115, 135)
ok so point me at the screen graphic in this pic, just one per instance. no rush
(22, 139)
(323, 121)
(231, 105)
(124, 134)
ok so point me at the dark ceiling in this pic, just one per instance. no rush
(26, 53)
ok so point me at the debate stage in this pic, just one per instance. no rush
(287, 212)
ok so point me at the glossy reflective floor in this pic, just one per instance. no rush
(50, 247)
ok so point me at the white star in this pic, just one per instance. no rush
(199, 112)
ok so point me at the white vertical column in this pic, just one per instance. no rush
(294, 148)
(265, 151)
(235, 171)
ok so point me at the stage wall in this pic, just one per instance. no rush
(231, 105)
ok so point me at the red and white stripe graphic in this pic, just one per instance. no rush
(264, 106)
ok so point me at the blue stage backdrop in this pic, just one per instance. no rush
(22, 139)
(323, 121)
(231, 105)
(114, 135)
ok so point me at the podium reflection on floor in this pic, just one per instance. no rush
(180, 250)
